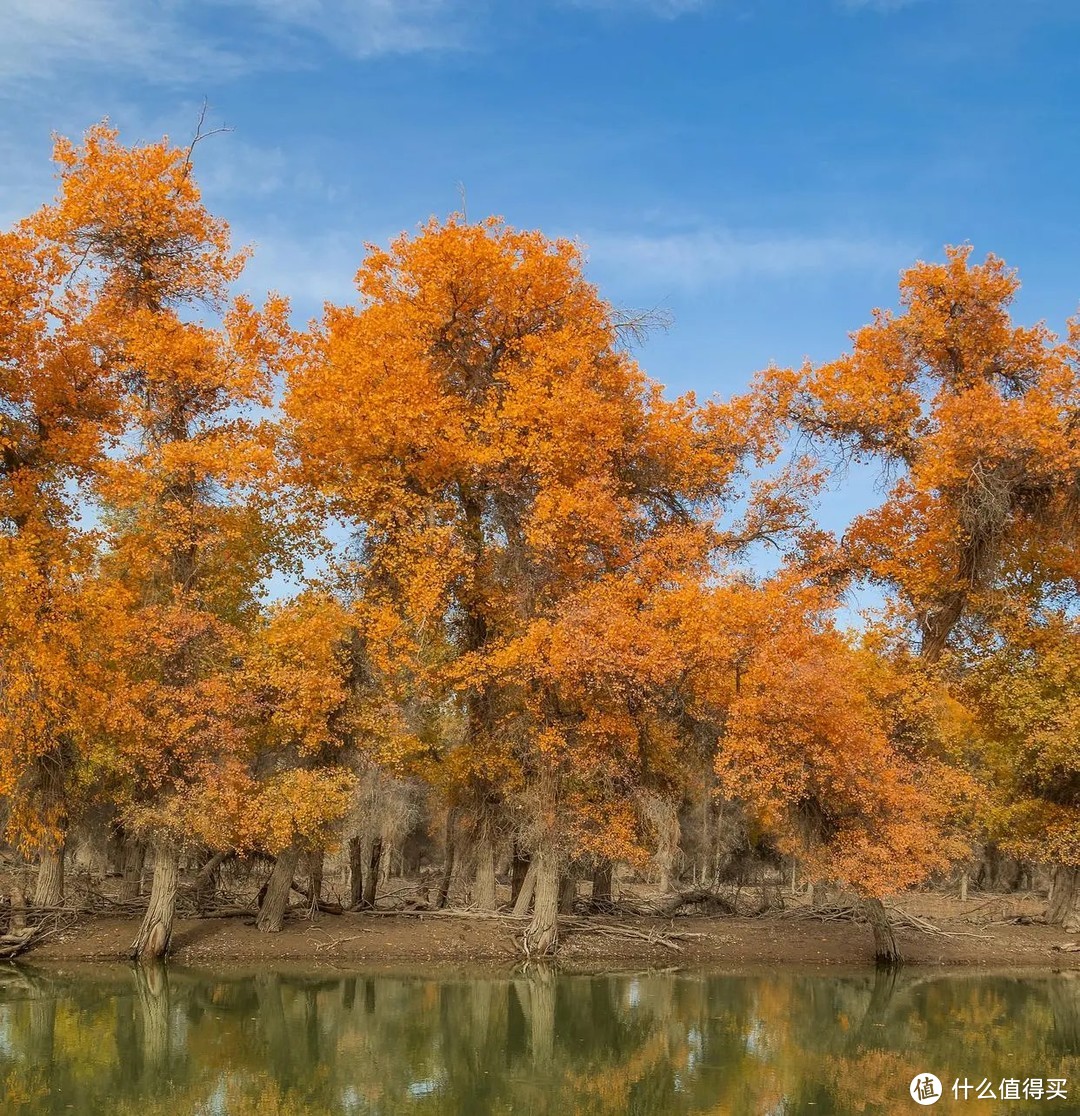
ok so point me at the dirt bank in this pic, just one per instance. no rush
(980, 933)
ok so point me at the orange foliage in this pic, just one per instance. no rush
(975, 415)
(529, 501)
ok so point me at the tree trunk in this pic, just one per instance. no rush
(963, 886)
(542, 936)
(601, 882)
(448, 866)
(567, 891)
(518, 873)
(483, 897)
(1064, 906)
(155, 934)
(205, 883)
(17, 920)
(886, 951)
(49, 891)
(528, 889)
(356, 872)
(316, 863)
(272, 909)
(134, 857)
(371, 880)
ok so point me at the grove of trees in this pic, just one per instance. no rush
(576, 618)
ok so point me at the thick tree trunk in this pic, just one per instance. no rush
(542, 936)
(1064, 907)
(17, 898)
(49, 891)
(483, 897)
(601, 882)
(276, 900)
(567, 891)
(155, 934)
(526, 891)
(371, 880)
(131, 881)
(356, 872)
(519, 871)
(316, 864)
(886, 951)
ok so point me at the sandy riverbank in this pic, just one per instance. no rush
(978, 933)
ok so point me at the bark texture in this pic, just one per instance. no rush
(1064, 907)
(155, 934)
(519, 870)
(276, 899)
(134, 858)
(443, 895)
(525, 893)
(356, 872)
(49, 890)
(483, 897)
(567, 891)
(542, 936)
(316, 866)
(371, 880)
(601, 882)
(886, 951)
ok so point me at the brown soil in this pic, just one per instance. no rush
(979, 932)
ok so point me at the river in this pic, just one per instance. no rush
(123, 1041)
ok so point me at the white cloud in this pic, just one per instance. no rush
(44, 38)
(703, 257)
(310, 267)
(187, 42)
(367, 28)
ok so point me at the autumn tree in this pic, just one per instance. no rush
(812, 746)
(57, 410)
(1023, 685)
(191, 528)
(305, 672)
(529, 505)
(974, 419)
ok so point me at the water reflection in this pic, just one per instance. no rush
(148, 1041)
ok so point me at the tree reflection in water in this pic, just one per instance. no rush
(147, 1041)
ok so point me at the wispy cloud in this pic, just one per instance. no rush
(367, 28)
(188, 42)
(310, 266)
(46, 38)
(710, 256)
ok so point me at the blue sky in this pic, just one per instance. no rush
(761, 170)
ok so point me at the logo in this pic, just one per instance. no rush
(925, 1089)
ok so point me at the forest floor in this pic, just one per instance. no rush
(980, 932)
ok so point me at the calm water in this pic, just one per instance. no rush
(280, 1044)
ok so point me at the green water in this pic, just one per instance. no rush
(120, 1041)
